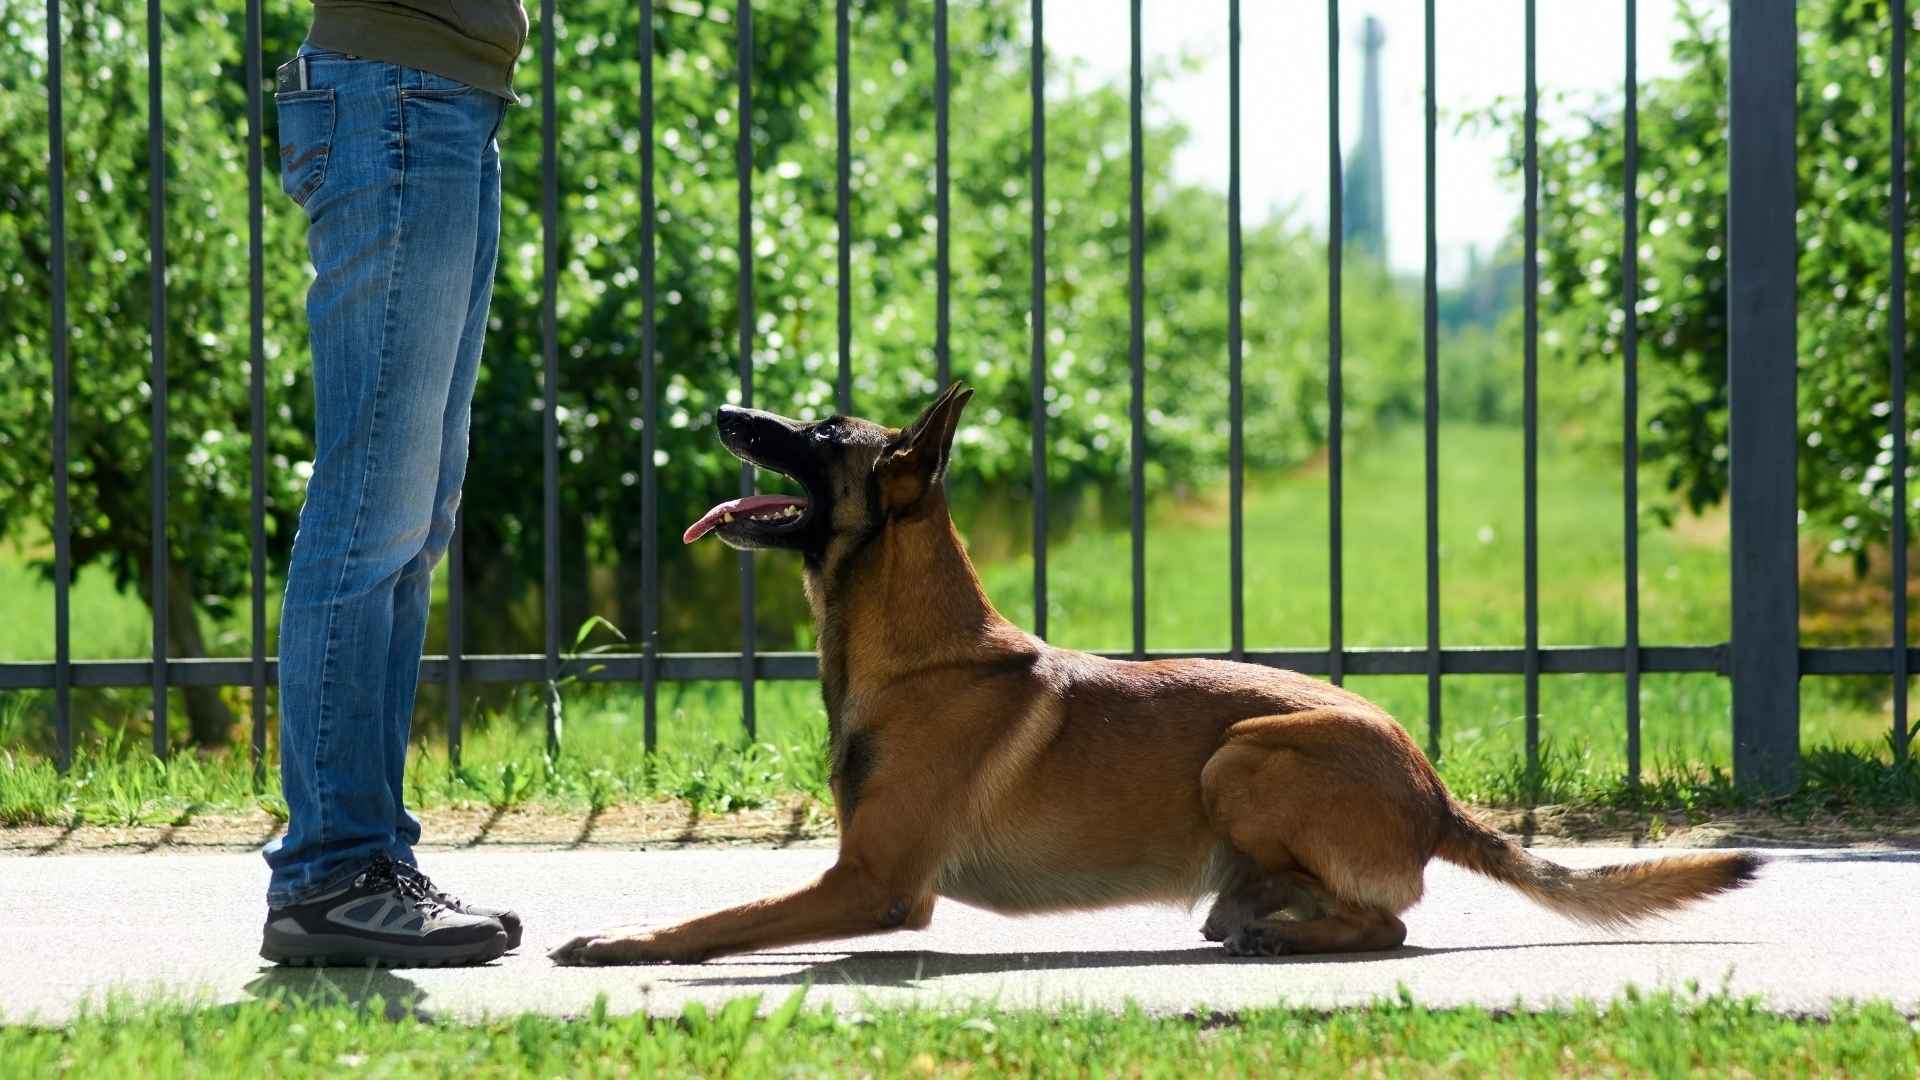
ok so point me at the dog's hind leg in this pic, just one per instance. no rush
(1352, 930)
(1331, 821)
(1250, 894)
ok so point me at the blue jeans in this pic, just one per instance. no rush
(399, 175)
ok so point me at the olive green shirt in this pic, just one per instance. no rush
(476, 42)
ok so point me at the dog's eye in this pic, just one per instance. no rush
(823, 434)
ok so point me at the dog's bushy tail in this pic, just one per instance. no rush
(1610, 896)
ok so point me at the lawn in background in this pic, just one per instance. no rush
(708, 759)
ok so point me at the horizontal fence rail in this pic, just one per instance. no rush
(1764, 659)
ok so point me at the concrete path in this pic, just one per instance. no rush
(1817, 926)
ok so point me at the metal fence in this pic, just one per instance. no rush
(1763, 659)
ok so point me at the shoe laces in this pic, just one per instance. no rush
(403, 879)
(420, 880)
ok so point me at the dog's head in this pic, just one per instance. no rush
(856, 477)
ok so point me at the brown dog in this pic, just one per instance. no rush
(973, 760)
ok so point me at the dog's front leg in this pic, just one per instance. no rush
(849, 900)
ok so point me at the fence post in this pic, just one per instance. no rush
(1765, 656)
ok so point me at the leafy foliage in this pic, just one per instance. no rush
(599, 294)
(1843, 189)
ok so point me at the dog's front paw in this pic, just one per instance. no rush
(612, 947)
(1255, 940)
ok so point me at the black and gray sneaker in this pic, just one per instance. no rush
(382, 918)
(507, 918)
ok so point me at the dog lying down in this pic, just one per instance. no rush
(972, 760)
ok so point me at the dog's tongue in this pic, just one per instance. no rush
(751, 504)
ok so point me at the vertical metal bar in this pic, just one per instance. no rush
(1630, 436)
(1530, 401)
(1764, 661)
(550, 347)
(157, 378)
(943, 271)
(1038, 380)
(843, 121)
(1432, 339)
(743, 163)
(1897, 347)
(257, 388)
(1236, 462)
(1136, 259)
(62, 378)
(650, 409)
(1336, 250)
(456, 631)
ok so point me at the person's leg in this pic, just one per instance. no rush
(393, 235)
(414, 593)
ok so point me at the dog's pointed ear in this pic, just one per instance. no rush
(915, 462)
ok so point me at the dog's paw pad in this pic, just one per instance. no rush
(1254, 941)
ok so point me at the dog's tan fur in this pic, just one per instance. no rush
(974, 761)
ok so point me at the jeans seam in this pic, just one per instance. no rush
(366, 474)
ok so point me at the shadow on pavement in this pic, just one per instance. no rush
(397, 998)
(906, 968)
(1828, 856)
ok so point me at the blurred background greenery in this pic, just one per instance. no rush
(1844, 480)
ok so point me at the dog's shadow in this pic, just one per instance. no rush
(908, 968)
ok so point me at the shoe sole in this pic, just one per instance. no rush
(328, 950)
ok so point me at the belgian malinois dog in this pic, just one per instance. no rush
(972, 760)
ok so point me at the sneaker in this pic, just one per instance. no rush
(508, 919)
(382, 918)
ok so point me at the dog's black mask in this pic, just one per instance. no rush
(851, 473)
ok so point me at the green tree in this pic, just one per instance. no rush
(1844, 188)
(599, 297)
(206, 335)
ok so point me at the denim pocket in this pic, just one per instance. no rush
(419, 83)
(306, 140)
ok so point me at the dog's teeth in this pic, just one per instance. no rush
(726, 517)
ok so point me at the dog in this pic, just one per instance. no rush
(972, 760)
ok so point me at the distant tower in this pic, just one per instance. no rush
(1363, 216)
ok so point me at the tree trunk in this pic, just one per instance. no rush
(576, 600)
(211, 720)
(629, 598)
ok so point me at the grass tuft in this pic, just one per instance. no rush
(367, 1024)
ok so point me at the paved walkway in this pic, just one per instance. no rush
(1815, 927)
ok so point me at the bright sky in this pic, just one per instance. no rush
(1479, 59)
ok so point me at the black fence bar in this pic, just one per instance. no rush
(1630, 390)
(1136, 307)
(743, 166)
(1530, 398)
(550, 349)
(157, 380)
(257, 387)
(1037, 382)
(1760, 376)
(62, 380)
(650, 410)
(1897, 349)
(1431, 336)
(456, 629)
(843, 197)
(1336, 244)
(943, 272)
(681, 667)
(1236, 462)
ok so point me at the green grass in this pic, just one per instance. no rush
(708, 760)
(602, 763)
(330, 1034)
